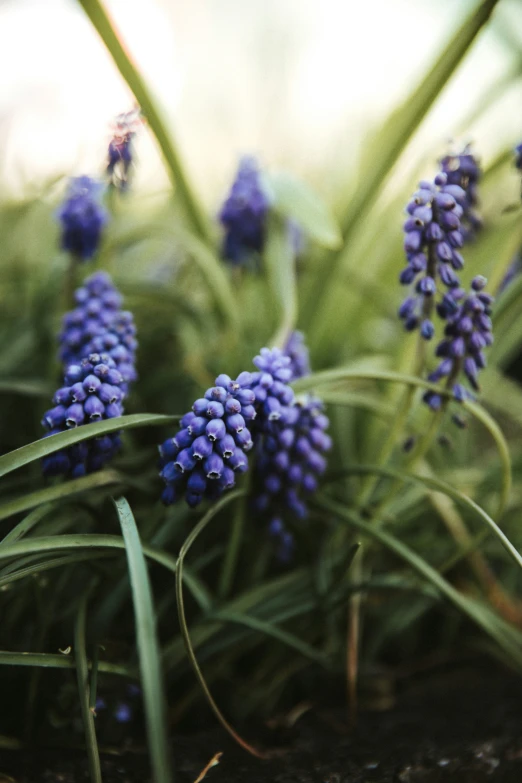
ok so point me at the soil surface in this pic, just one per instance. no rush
(463, 726)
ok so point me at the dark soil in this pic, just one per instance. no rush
(463, 726)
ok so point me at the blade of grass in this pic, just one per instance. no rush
(41, 448)
(507, 638)
(123, 61)
(27, 524)
(30, 388)
(59, 492)
(82, 672)
(52, 661)
(148, 646)
(280, 265)
(430, 482)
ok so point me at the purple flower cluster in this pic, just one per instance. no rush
(97, 325)
(290, 459)
(243, 215)
(432, 240)
(297, 351)
(464, 170)
(82, 217)
(120, 148)
(467, 334)
(92, 392)
(202, 459)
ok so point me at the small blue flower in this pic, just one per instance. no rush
(92, 392)
(433, 236)
(82, 217)
(123, 713)
(467, 334)
(243, 215)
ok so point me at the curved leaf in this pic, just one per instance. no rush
(148, 646)
(41, 448)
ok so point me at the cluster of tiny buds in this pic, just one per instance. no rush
(243, 215)
(432, 240)
(201, 460)
(97, 304)
(467, 333)
(82, 217)
(91, 392)
(289, 460)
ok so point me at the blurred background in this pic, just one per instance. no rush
(297, 82)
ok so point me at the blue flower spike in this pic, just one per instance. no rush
(82, 218)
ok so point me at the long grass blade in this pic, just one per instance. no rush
(60, 492)
(148, 647)
(280, 264)
(41, 448)
(507, 637)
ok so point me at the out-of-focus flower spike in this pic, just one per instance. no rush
(243, 214)
(82, 218)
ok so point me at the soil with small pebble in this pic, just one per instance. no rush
(460, 726)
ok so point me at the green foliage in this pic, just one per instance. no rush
(230, 612)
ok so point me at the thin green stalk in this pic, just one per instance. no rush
(233, 548)
(83, 688)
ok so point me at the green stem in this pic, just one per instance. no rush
(83, 687)
(233, 549)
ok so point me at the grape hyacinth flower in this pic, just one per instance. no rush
(432, 240)
(290, 459)
(273, 395)
(82, 217)
(120, 148)
(92, 392)
(295, 348)
(210, 448)
(243, 215)
(97, 325)
(464, 170)
(467, 334)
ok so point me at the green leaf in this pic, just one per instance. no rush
(429, 482)
(148, 646)
(214, 274)
(27, 387)
(293, 199)
(41, 448)
(27, 524)
(507, 637)
(327, 377)
(123, 61)
(51, 661)
(280, 264)
(82, 673)
(59, 492)
(273, 631)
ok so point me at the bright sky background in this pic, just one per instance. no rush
(297, 82)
